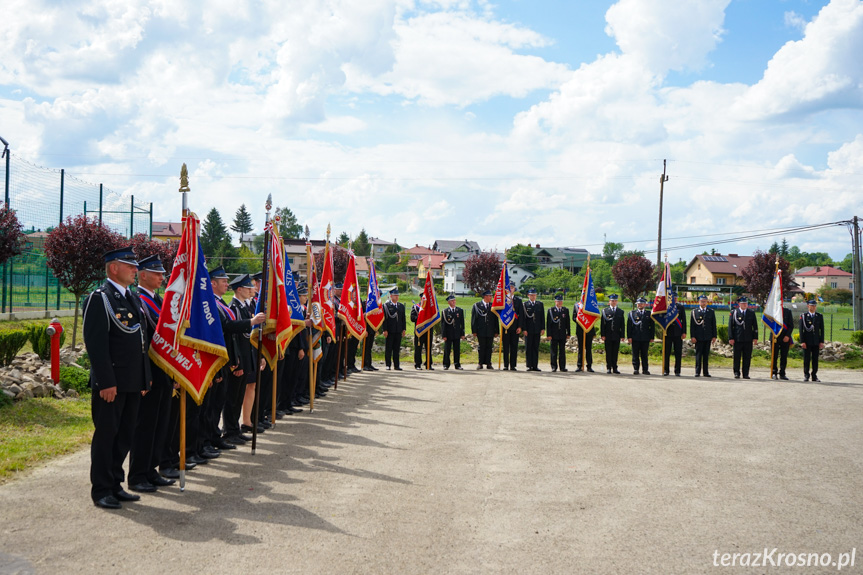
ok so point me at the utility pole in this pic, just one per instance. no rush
(855, 269)
(662, 179)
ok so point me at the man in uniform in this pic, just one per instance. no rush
(811, 340)
(674, 336)
(583, 341)
(703, 327)
(510, 336)
(295, 378)
(611, 330)
(453, 332)
(533, 326)
(115, 335)
(742, 334)
(784, 341)
(483, 325)
(420, 343)
(639, 333)
(370, 342)
(154, 413)
(558, 324)
(395, 327)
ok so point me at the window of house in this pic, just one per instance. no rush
(833, 285)
(720, 281)
(692, 280)
(803, 284)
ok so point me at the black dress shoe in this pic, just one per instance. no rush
(489, 367)
(160, 481)
(806, 378)
(664, 373)
(196, 459)
(707, 375)
(122, 495)
(479, 367)
(446, 367)
(677, 374)
(782, 377)
(513, 369)
(320, 395)
(608, 371)
(697, 375)
(266, 424)
(243, 436)
(373, 368)
(171, 473)
(745, 377)
(295, 410)
(397, 368)
(578, 370)
(417, 367)
(635, 372)
(590, 369)
(645, 372)
(563, 369)
(221, 443)
(814, 378)
(143, 487)
(280, 414)
(108, 502)
(248, 429)
(459, 367)
(208, 452)
(368, 368)
(553, 370)
(303, 400)
(615, 371)
(431, 367)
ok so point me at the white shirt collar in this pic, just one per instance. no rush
(146, 291)
(121, 289)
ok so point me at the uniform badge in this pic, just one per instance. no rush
(118, 315)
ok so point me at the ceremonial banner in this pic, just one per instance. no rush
(772, 316)
(277, 328)
(350, 307)
(429, 314)
(374, 305)
(588, 309)
(188, 343)
(665, 304)
(501, 305)
(326, 295)
(316, 312)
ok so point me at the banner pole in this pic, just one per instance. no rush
(312, 367)
(428, 348)
(338, 343)
(663, 353)
(346, 336)
(182, 438)
(773, 357)
(265, 272)
(583, 346)
(503, 330)
(363, 360)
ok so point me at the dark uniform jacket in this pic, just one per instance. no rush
(812, 329)
(158, 376)
(612, 323)
(702, 324)
(533, 318)
(518, 308)
(580, 330)
(394, 318)
(244, 312)
(640, 325)
(453, 323)
(677, 328)
(116, 337)
(788, 326)
(483, 322)
(234, 330)
(742, 326)
(557, 323)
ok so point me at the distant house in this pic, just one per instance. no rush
(378, 247)
(295, 250)
(166, 231)
(248, 240)
(820, 276)
(716, 269)
(571, 259)
(450, 246)
(422, 264)
(418, 252)
(453, 273)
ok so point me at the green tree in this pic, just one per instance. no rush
(783, 248)
(242, 222)
(611, 251)
(522, 255)
(344, 239)
(215, 240)
(361, 244)
(847, 263)
(550, 280)
(774, 249)
(288, 226)
(677, 270)
(627, 253)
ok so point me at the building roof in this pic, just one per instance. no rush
(731, 264)
(436, 261)
(380, 242)
(824, 271)
(167, 229)
(448, 246)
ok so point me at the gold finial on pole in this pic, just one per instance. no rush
(184, 179)
(328, 232)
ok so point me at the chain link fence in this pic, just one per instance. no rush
(42, 198)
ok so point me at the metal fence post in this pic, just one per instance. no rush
(5, 280)
(151, 220)
(100, 203)
(132, 218)
(62, 189)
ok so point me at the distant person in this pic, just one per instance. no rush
(453, 332)
(484, 326)
(784, 341)
(510, 337)
(395, 327)
(811, 340)
(611, 329)
(674, 336)
(558, 323)
(640, 331)
(533, 327)
(742, 334)
(584, 341)
(702, 326)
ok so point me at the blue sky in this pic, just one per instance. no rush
(503, 122)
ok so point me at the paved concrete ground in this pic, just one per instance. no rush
(486, 472)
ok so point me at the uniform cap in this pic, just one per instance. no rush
(218, 273)
(241, 281)
(124, 255)
(151, 264)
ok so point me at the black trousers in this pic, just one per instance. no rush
(588, 342)
(235, 392)
(486, 344)
(214, 405)
(702, 357)
(112, 437)
(420, 343)
(193, 429)
(780, 354)
(810, 357)
(266, 391)
(639, 355)
(509, 341)
(151, 432)
(298, 376)
(455, 346)
(742, 350)
(353, 346)
(612, 350)
(558, 353)
(393, 348)
(672, 345)
(370, 342)
(531, 350)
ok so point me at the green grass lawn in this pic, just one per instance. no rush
(37, 430)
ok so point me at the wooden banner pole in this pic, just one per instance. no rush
(182, 438)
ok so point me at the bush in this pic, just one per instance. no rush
(11, 342)
(74, 378)
(852, 353)
(5, 400)
(722, 333)
(857, 337)
(41, 341)
(84, 361)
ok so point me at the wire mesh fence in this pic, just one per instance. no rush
(42, 198)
